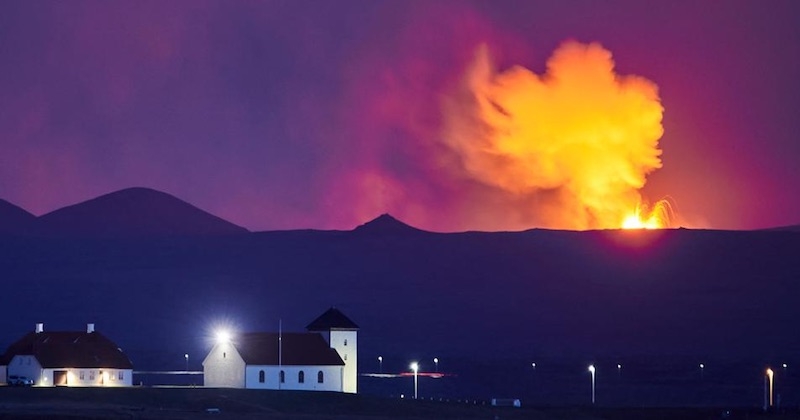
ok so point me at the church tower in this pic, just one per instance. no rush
(342, 335)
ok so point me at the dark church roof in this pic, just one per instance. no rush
(69, 349)
(298, 349)
(332, 319)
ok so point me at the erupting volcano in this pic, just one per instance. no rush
(576, 143)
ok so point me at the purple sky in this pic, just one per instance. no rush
(294, 114)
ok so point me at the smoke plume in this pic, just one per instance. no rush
(572, 146)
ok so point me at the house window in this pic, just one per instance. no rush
(121, 375)
(345, 341)
(223, 354)
(81, 375)
(283, 377)
(91, 375)
(261, 376)
(345, 357)
(301, 377)
(320, 377)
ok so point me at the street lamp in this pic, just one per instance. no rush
(436, 362)
(702, 366)
(619, 369)
(186, 356)
(770, 375)
(533, 365)
(592, 371)
(380, 364)
(415, 367)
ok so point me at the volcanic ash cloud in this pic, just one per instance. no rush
(573, 145)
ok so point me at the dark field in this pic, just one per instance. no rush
(183, 403)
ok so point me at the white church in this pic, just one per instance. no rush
(323, 359)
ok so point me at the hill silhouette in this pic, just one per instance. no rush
(14, 219)
(385, 224)
(133, 212)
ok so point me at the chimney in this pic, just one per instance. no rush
(39, 327)
(89, 328)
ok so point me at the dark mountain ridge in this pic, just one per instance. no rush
(14, 219)
(132, 212)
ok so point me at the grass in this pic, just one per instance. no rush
(185, 403)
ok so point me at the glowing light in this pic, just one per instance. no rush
(591, 368)
(222, 336)
(658, 217)
(415, 367)
(571, 148)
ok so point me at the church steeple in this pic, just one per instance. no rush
(341, 333)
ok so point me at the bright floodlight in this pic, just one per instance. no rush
(619, 366)
(380, 358)
(435, 360)
(415, 367)
(784, 366)
(223, 336)
(591, 368)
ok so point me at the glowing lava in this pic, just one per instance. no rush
(659, 217)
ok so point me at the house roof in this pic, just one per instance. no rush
(71, 349)
(332, 319)
(298, 349)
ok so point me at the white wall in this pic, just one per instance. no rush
(23, 365)
(2, 374)
(223, 367)
(346, 344)
(108, 378)
(331, 378)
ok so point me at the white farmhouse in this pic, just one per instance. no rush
(67, 358)
(323, 359)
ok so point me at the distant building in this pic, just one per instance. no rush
(67, 358)
(323, 359)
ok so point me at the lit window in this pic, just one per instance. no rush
(283, 377)
(81, 375)
(319, 377)
(301, 377)
(261, 376)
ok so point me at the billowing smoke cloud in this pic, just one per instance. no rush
(572, 146)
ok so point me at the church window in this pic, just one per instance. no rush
(320, 377)
(283, 377)
(345, 341)
(261, 376)
(301, 377)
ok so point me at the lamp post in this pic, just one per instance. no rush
(186, 356)
(770, 375)
(702, 366)
(592, 371)
(415, 367)
(380, 364)
(436, 362)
